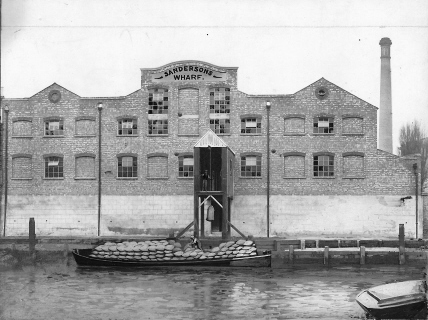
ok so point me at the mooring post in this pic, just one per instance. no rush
(401, 245)
(291, 254)
(32, 235)
(326, 255)
(362, 255)
(277, 245)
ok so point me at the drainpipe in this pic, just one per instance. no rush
(100, 109)
(415, 169)
(6, 156)
(268, 168)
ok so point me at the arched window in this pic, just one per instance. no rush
(84, 166)
(22, 166)
(127, 166)
(54, 166)
(157, 165)
(353, 165)
(294, 165)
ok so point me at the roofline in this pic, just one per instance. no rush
(322, 78)
(189, 61)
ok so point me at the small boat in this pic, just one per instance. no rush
(83, 258)
(398, 300)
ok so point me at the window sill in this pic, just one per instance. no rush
(353, 177)
(25, 137)
(21, 178)
(251, 134)
(323, 177)
(127, 135)
(294, 177)
(130, 178)
(157, 178)
(223, 134)
(84, 178)
(53, 178)
(84, 135)
(188, 135)
(158, 135)
(352, 134)
(323, 134)
(62, 136)
(250, 177)
(294, 134)
(185, 178)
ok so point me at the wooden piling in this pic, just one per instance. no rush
(291, 254)
(277, 245)
(362, 255)
(326, 255)
(401, 245)
(32, 235)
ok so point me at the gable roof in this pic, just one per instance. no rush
(210, 139)
(329, 82)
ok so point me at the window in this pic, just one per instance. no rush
(157, 127)
(158, 101)
(21, 166)
(54, 167)
(85, 166)
(323, 166)
(21, 127)
(323, 125)
(251, 125)
(85, 126)
(353, 165)
(220, 125)
(127, 127)
(54, 127)
(251, 166)
(127, 167)
(352, 125)
(220, 100)
(294, 165)
(185, 166)
(157, 166)
(294, 125)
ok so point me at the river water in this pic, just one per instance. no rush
(65, 291)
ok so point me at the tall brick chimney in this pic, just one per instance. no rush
(385, 113)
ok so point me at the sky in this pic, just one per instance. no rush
(95, 48)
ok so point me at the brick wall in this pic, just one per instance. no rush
(352, 143)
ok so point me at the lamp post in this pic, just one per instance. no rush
(6, 156)
(100, 109)
(268, 168)
(415, 169)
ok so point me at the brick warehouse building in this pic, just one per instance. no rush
(302, 164)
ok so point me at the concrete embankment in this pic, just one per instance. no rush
(285, 252)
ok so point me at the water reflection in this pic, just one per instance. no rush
(68, 292)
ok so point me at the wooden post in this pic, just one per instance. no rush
(32, 235)
(401, 245)
(302, 244)
(326, 255)
(224, 221)
(291, 254)
(362, 255)
(277, 245)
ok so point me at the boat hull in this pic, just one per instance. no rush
(400, 300)
(83, 259)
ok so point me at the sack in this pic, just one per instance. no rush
(210, 213)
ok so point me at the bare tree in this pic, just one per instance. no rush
(413, 140)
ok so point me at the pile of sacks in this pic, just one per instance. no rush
(164, 250)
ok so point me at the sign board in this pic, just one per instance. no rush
(189, 72)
